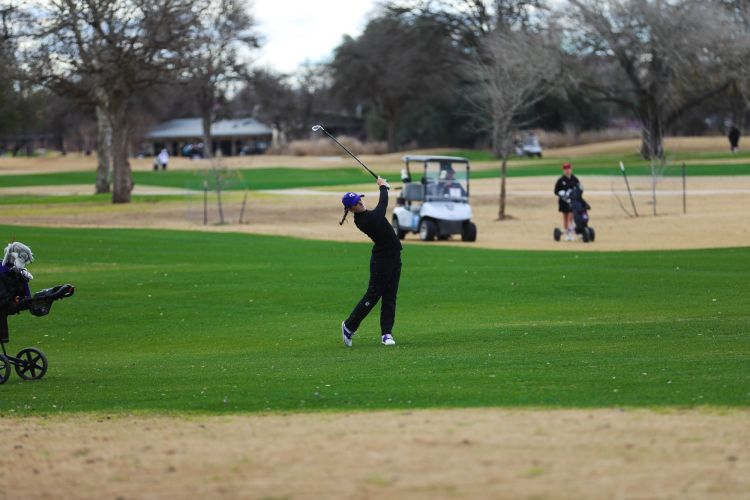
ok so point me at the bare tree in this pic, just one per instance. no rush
(657, 58)
(313, 84)
(10, 17)
(739, 11)
(103, 51)
(225, 29)
(511, 72)
(472, 20)
(269, 97)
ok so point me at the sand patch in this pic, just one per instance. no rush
(716, 214)
(477, 453)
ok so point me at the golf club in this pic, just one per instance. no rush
(320, 127)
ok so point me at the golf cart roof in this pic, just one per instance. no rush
(424, 158)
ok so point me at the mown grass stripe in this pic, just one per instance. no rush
(287, 178)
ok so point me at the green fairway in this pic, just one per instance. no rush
(190, 321)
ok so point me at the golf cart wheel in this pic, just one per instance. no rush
(427, 230)
(4, 369)
(585, 235)
(592, 234)
(32, 364)
(469, 231)
(557, 234)
(396, 229)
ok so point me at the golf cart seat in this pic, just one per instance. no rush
(413, 192)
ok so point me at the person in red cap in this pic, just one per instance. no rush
(385, 265)
(566, 181)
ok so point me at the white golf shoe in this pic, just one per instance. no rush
(387, 339)
(346, 334)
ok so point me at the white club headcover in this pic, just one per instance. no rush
(19, 256)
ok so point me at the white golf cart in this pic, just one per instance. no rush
(437, 205)
(529, 146)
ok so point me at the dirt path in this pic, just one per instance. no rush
(492, 453)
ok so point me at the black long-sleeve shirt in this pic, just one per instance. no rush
(375, 225)
(565, 183)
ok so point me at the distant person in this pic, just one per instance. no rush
(517, 147)
(164, 158)
(451, 188)
(566, 181)
(734, 138)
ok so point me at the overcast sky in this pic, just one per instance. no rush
(298, 30)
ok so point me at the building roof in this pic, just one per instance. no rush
(459, 159)
(189, 128)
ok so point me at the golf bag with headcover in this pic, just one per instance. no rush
(580, 209)
(15, 295)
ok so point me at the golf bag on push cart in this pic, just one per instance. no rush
(30, 363)
(579, 208)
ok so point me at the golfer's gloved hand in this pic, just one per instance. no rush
(383, 182)
(561, 193)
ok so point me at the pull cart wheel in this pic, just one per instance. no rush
(32, 364)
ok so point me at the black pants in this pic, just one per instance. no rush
(384, 277)
(3, 328)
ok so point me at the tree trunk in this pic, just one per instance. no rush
(207, 120)
(278, 137)
(652, 133)
(206, 102)
(103, 150)
(499, 140)
(122, 178)
(503, 176)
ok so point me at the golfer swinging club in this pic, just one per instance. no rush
(385, 265)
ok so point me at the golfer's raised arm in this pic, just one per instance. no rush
(383, 200)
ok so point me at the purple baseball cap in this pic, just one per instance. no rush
(350, 199)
